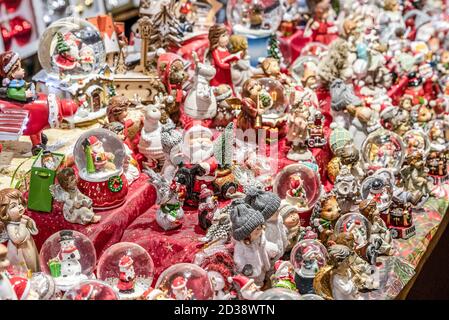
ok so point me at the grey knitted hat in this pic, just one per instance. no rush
(264, 201)
(170, 137)
(244, 219)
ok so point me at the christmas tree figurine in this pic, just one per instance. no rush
(273, 48)
(61, 45)
(166, 29)
(90, 167)
(223, 147)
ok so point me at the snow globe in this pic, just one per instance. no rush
(91, 290)
(69, 257)
(257, 20)
(311, 296)
(299, 186)
(416, 140)
(73, 57)
(186, 281)
(307, 257)
(279, 294)
(379, 188)
(357, 225)
(438, 133)
(99, 156)
(128, 268)
(274, 112)
(43, 285)
(383, 149)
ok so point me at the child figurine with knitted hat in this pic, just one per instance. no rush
(250, 246)
(268, 204)
(12, 74)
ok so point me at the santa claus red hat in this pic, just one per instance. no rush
(205, 192)
(125, 262)
(242, 281)
(164, 63)
(280, 264)
(178, 283)
(7, 62)
(151, 294)
(21, 287)
(92, 140)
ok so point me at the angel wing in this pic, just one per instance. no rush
(57, 192)
(322, 282)
(160, 183)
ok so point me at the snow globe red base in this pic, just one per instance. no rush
(99, 157)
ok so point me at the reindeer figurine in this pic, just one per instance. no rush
(200, 103)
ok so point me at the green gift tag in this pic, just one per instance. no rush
(55, 268)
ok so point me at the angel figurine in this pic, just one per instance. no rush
(170, 198)
(77, 206)
(18, 229)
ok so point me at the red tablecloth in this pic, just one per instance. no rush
(114, 222)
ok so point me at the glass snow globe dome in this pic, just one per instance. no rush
(186, 281)
(71, 47)
(69, 257)
(128, 268)
(99, 155)
(357, 225)
(279, 294)
(273, 99)
(91, 290)
(254, 18)
(307, 257)
(299, 185)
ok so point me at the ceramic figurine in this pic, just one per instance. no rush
(378, 188)
(77, 207)
(292, 222)
(268, 204)
(208, 208)
(336, 55)
(400, 218)
(290, 17)
(97, 160)
(12, 75)
(348, 111)
(315, 131)
(271, 69)
(172, 74)
(250, 245)
(297, 134)
(241, 70)
(150, 145)
(170, 198)
(171, 141)
(396, 120)
(319, 28)
(48, 161)
(255, 99)
(347, 189)
(127, 275)
(200, 102)
(220, 230)
(225, 106)
(247, 288)
(219, 267)
(220, 56)
(283, 276)
(180, 290)
(379, 230)
(296, 194)
(436, 162)
(6, 289)
(324, 216)
(415, 175)
(336, 280)
(18, 229)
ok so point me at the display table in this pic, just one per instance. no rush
(114, 222)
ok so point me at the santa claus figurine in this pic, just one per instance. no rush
(283, 276)
(96, 158)
(21, 287)
(208, 208)
(12, 74)
(248, 289)
(180, 290)
(127, 275)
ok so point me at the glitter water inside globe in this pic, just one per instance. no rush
(99, 154)
(128, 268)
(256, 18)
(91, 290)
(186, 281)
(71, 47)
(69, 257)
(307, 257)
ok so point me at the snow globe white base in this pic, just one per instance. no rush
(66, 283)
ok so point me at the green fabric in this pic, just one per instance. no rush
(16, 94)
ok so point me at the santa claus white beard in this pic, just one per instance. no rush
(97, 149)
(199, 152)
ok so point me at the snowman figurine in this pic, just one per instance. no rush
(69, 260)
